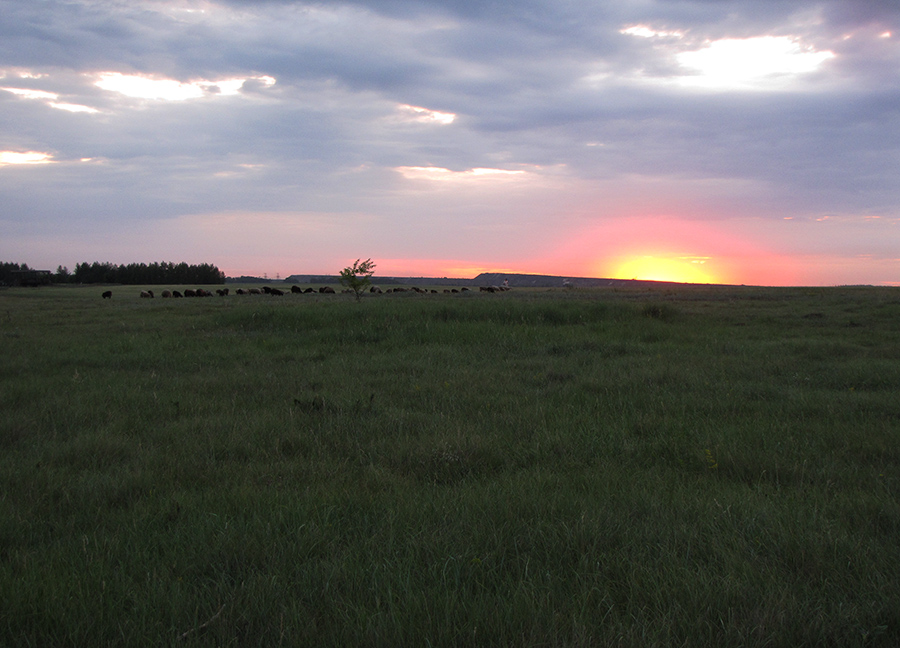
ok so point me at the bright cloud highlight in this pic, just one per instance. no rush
(143, 87)
(29, 157)
(446, 175)
(426, 116)
(643, 31)
(749, 62)
(49, 98)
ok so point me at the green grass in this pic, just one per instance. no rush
(667, 467)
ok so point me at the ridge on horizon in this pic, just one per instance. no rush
(516, 280)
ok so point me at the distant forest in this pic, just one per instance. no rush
(133, 273)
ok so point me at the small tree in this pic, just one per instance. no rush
(358, 276)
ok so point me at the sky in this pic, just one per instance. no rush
(707, 141)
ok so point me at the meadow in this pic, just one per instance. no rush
(667, 466)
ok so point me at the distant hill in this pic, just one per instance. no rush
(484, 279)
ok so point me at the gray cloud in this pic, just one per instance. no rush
(553, 87)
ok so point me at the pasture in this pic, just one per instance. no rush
(635, 467)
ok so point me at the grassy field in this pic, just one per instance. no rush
(668, 467)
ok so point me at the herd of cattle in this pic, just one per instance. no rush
(277, 292)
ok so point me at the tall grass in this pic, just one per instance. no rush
(689, 466)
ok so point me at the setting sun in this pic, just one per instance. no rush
(678, 269)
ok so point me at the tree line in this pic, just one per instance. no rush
(132, 273)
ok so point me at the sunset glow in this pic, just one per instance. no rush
(654, 268)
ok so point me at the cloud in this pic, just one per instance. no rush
(729, 110)
(24, 157)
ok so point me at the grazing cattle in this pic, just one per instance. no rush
(146, 294)
(190, 293)
(296, 289)
(326, 290)
(255, 291)
(308, 290)
(266, 290)
(375, 289)
(176, 294)
(276, 292)
(240, 291)
(464, 290)
(107, 294)
(166, 294)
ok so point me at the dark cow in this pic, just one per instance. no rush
(107, 294)
(190, 292)
(146, 294)
(176, 294)
(276, 292)
(296, 289)
(166, 294)
(326, 290)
